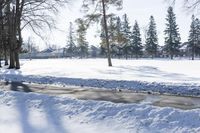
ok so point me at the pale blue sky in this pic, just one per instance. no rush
(139, 10)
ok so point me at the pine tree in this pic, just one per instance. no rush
(111, 30)
(119, 36)
(136, 44)
(71, 47)
(151, 46)
(172, 39)
(103, 47)
(193, 37)
(197, 50)
(81, 38)
(126, 35)
(112, 34)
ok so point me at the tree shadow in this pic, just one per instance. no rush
(18, 86)
(25, 107)
(151, 72)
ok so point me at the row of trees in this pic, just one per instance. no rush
(194, 37)
(125, 41)
(172, 40)
(81, 49)
(15, 15)
(122, 39)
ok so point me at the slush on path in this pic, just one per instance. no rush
(87, 93)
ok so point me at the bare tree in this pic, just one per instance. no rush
(37, 14)
(189, 5)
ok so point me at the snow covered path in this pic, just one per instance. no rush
(36, 113)
(86, 93)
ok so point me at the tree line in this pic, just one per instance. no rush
(126, 42)
(118, 38)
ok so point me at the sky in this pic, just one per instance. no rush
(139, 10)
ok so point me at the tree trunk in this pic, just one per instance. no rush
(106, 33)
(193, 51)
(12, 39)
(18, 47)
(19, 8)
(171, 56)
(12, 60)
(1, 31)
(17, 60)
(5, 56)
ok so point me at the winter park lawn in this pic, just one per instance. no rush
(38, 113)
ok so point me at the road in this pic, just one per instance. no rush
(84, 93)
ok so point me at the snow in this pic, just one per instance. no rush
(36, 113)
(180, 77)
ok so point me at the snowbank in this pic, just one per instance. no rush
(35, 113)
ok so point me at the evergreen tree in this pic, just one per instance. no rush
(71, 47)
(111, 30)
(103, 50)
(112, 34)
(193, 37)
(126, 35)
(197, 50)
(136, 44)
(172, 39)
(119, 36)
(151, 46)
(81, 38)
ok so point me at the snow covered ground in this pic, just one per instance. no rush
(36, 113)
(164, 76)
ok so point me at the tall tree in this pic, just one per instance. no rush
(1, 30)
(136, 41)
(119, 36)
(71, 47)
(103, 48)
(193, 37)
(111, 30)
(81, 38)
(197, 50)
(151, 45)
(18, 14)
(126, 35)
(172, 39)
(103, 5)
(112, 35)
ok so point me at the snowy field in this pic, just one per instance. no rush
(164, 76)
(35, 113)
